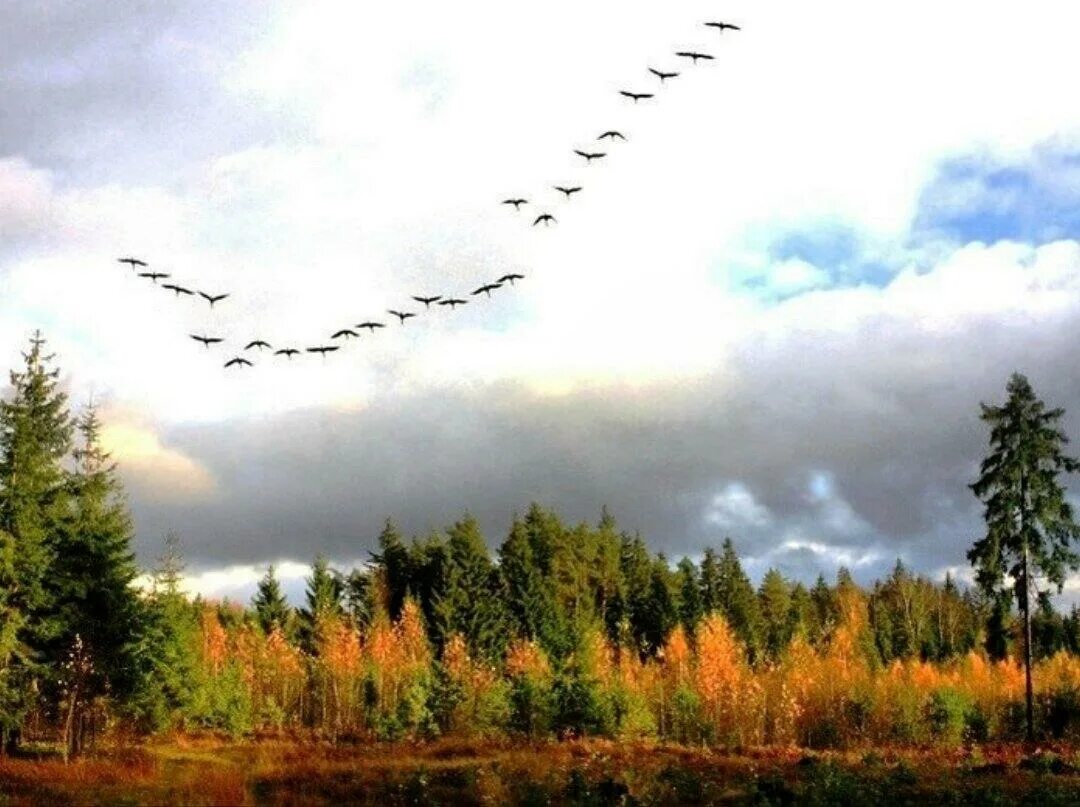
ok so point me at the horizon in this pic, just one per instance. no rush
(772, 312)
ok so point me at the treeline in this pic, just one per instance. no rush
(563, 630)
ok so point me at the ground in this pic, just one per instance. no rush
(208, 770)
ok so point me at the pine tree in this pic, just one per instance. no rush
(774, 597)
(392, 560)
(323, 602)
(93, 602)
(471, 605)
(529, 599)
(271, 607)
(690, 607)
(35, 436)
(737, 601)
(1029, 523)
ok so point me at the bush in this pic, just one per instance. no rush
(1060, 710)
(579, 710)
(947, 715)
(530, 707)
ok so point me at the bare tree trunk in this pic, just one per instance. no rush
(1028, 693)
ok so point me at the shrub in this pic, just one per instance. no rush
(947, 715)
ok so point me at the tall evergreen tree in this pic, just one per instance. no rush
(93, 603)
(774, 597)
(1029, 523)
(392, 560)
(737, 601)
(271, 607)
(471, 605)
(36, 433)
(323, 602)
(529, 598)
(690, 607)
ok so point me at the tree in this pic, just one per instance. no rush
(471, 605)
(736, 600)
(530, 601)
(36, 432)
(392, 560)
(774, 597)
(690, 607)
(1029, 523)
(94, 606)
(323, 602)
(271, 607)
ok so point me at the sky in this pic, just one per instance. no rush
(772, 312)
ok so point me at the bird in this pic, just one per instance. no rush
(487, 288)
(153, 277)
(694, 56)
(427, 301)
(568, 191)
(259, 343)
(611, 135)
(212, 298)
(346, 333)
(323, 349)
(132, 262)
(660, 74)
(547, 218)
(721, 26)
(371, 326)
(636, 96)
(511, 278)
(589, 155)
(238, 362)
(178, 289)
(453, 302)
(517, 203)
(401, 315)
(206, 340)
(288, 352)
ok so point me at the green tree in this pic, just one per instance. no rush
(690, 607)
(36, 433)
(94, 605)
(470, 604)
(736, 600)
(323, 596)
(774, 597)
(1029, 523)
(529, 599)
(271, 607)
(392, 560)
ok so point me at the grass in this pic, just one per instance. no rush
(211, 771)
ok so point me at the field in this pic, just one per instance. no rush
(208, 770)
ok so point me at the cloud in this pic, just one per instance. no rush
(151, 469)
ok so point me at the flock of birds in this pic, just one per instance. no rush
(143, 269)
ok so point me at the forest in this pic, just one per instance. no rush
(563, 632)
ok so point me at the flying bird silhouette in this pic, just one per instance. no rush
(323, 349)
(212, 298)
(207, 340)
(589, 155)
(611, 135)
(259, 343)
(401, 315)
(288, 352)
(636, 96)
(487, 289)
(722, 26)
(178, 289)
(568, 191)
(517, 203)
(694, 56)
(154, 277)
(346, 333)
(660, 74)
(511, 278)
(547, 218)
(427, 301)
(238, 362)
(453, 302)
(371, 326)
(132, 262)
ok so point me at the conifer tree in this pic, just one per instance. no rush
(737, 601)
(471, 605)
(1029, 523)
(528, 598)
(690, 608)
(774, 596)
(323, 602)
(271, 607)
(392, 560)
(94, 605)
(35, 436)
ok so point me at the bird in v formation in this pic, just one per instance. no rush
(452, 302)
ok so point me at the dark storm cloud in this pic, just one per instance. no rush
(126, 91)
(887, 415)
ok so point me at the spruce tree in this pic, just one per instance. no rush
(690, 607)
(737, 601)
(529, 599)
(774, 596)
(1029, 523)
(35, 436)
(271, 607)
(471, 605)
(323, 595)
(93, 602)
(392, 560)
